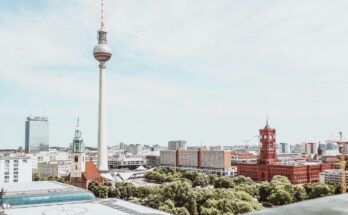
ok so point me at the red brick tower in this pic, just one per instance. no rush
(268, 147)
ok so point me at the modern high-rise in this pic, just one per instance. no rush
(284, 148)
(36, 134)
(176, 144)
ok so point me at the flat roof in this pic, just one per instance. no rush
(37, 187)
(110, 206)
(326, 205)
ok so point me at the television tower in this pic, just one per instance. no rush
(102, 53)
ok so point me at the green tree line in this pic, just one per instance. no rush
(187, 192)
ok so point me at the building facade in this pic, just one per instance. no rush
(267, 166)
(134, 149)
(15, 169)
(176, 144)
(36, 134)
(202, 160)
(284, 148)
(332, 176)
(55, 168)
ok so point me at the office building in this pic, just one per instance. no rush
(332, 176)
(152, 160)
(134, 149)
(125, 162)
(54, 168)
(284, 148)
(36, 134)
(15, 169)
(176, 144)
(201, 160)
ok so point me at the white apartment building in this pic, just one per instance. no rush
(46, 157)
(15, 169)
(125, 162)
(332, 176)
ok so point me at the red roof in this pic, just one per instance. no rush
(91, 171)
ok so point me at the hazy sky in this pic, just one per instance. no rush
(196, 70)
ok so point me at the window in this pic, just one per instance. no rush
(76, 158)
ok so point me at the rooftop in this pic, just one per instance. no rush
(106, 207)
(327, 205)
(37, 187)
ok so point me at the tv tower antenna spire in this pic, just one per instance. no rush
(101, 14)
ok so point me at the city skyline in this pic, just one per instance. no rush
(209, 73)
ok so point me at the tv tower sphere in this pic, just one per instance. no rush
(102, 52)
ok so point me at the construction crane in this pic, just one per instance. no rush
(246, 144)
(342, 159)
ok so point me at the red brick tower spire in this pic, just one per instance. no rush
(268, 148)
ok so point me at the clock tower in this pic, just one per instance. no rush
(78, 157)
(268, 145)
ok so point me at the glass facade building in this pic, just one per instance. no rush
(36, 134)
(42, 192)
(48, 198)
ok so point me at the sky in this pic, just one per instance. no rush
(203, 71)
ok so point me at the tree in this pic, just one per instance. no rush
(223, 182)
(210, 211)
(264, 191)
(280, 196)
(201, 180)
(318, 189)
(278, 191)
(300, 193)
(169, 206)
(251, 189)
(153, 200)
(242, 180)
(127, 190)
(103, 191)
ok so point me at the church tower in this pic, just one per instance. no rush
(77, 155)
(268, 146)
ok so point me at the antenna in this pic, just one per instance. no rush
(101, 14)
(267, 118)
(78, 121)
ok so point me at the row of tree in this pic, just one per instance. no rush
(180, 197)
(39, 177)
(186, 192)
